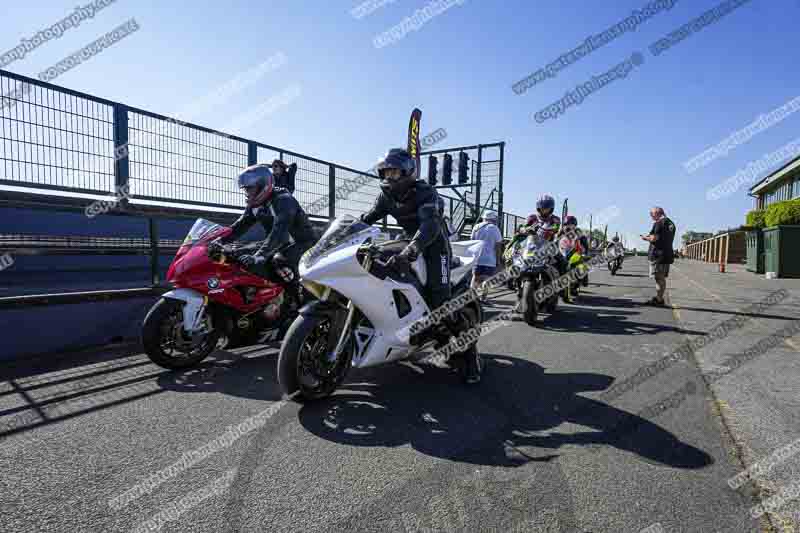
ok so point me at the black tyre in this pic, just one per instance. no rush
(164, 342)
(551, 304)
(302, 370)
(531, 305)
(471, 315)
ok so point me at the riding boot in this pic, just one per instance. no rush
(474, 365)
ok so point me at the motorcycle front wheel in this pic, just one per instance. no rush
(551, 303)
(302, 363)
(164, 341)
(531, 305)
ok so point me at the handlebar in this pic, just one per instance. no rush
(374, 252)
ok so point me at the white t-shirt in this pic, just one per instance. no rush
(490, 235)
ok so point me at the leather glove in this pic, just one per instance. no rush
(410, 252)
(252, 260)
(399, 262)
(403, 260)
(215, 248)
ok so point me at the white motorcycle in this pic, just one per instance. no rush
(614, 257)
(364, 310)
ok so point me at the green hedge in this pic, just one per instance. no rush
(755, 218)
(783, 213)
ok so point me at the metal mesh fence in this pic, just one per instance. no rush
(311, 184)
(511, 224)
(54, 139)
(490, 183)
(362, 190)
(178, 163)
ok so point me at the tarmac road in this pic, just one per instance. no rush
(535, 447)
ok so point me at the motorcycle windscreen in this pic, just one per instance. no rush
(341, 230)
(200, 229)
(534, 250)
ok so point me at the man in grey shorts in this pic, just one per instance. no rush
(660, 254)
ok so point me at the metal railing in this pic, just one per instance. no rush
(57, 144)
(57, 139)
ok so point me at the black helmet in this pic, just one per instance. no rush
(615, 239)
(397, 158)
(260, 178)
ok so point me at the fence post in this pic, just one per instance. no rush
(500, 187)
(478, 185)
(154, 250)
(121, 152)
(252, 154)
(331, 192)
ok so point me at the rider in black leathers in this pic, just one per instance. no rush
(288, 229)
(417, 208)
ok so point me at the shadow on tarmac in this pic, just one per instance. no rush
(616, 318)
(248, 373)
(503, 421)
(77, 384)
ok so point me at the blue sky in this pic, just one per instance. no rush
(625, 145)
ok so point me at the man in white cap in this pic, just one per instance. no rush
(488, 232)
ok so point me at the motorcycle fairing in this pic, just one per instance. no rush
(194, 303)
(340, 269)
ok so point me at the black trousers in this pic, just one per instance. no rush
(438, 257)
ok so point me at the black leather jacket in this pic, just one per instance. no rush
(418, 213)
(284, 222)
(286, 180)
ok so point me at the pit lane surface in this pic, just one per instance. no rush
(398, 448)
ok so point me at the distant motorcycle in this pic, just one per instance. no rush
(213, 299)
(537, 271)
(615, 259)
(574, 254)
(512, 250)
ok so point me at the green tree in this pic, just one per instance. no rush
(694, 236)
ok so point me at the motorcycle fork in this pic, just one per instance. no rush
(345, 327)
(532, 282)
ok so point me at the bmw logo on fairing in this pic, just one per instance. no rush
(213, 283)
